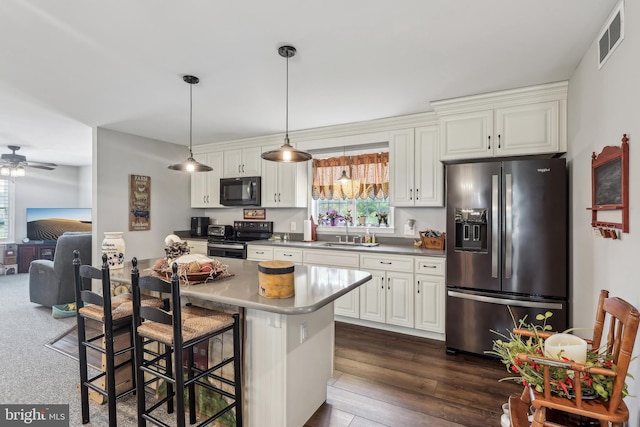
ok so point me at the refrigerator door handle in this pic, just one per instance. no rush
(494, 225)
(505, 301)
(508, 219)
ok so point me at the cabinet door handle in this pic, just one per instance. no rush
(417, 196)
(498, 140)
(278, 197)
(239, 168)
(411, 194)
(386, 262)
(207, 198)
(242, 168)
(260, 252)
(287, 254)
(275, 197)
(418, 286)
(389, 283)
(204, 199)
(489, 145)
(428, 266)
(382, 282)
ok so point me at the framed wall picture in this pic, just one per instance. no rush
(139, 203)
(255, 213)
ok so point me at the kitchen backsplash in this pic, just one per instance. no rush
(426, 218)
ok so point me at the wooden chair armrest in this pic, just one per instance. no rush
(574, 366)
(528, 333)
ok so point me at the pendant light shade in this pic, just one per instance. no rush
(286, 153)
(344, 178)
(190, 165)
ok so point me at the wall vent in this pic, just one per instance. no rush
(612, 35)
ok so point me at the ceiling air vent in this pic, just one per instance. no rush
(611, 36)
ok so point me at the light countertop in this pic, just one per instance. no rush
(382, 248)
(315, 286)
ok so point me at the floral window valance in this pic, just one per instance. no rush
(369, 175)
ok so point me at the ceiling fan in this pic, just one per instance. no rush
(13, 164)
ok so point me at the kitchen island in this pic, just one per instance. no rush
(288, 343)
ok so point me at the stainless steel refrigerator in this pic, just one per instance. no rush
(507, 248)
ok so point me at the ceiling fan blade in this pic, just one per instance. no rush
(48, 168)
(34, 163)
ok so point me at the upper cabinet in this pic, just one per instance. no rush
(205, 186)
(284, 185)
(416, 173)
(242, 162)
(527, 121)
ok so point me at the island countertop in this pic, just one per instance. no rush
(315, 286)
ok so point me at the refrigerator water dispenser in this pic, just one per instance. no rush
(471, 229)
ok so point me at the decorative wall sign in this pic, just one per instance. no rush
(139, 202)
(255, 213)
(610, 185)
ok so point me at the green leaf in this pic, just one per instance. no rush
(540, 317)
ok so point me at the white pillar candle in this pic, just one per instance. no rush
(570, 346)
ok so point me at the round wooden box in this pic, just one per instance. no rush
(275, 279)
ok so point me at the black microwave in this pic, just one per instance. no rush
(242, 191)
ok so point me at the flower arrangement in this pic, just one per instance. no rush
(333, 215)
(562, 380)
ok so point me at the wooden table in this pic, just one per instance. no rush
(288, 343)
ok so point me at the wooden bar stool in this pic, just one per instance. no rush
(115, 315)
(180, 330)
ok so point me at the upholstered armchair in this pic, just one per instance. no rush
(52, 282)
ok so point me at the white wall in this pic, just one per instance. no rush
(85, 186)
(117, 155)
(58, 188)
(603, 104)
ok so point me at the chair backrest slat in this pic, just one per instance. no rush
(156, 315)
(154, 284)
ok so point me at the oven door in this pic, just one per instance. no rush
(227, 250)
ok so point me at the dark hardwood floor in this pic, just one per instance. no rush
(387, 379)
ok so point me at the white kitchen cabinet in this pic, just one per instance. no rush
(284, 185)
(288, 254)
(372, 298)
(388, 297)
(417, 175)
(430, 294)
(259, 253)
(242, 162)
(347, 305)
(197, 246)
(205, 186)
(527, 121)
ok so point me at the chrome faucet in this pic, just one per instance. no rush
(346, 227)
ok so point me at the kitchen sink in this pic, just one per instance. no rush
(342, 244)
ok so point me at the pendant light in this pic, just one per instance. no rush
(344, 178)
(190, 165)
(286, 153)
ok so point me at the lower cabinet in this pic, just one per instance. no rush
(347, 305)
(404, 291)
(388, 297)
(430, 294)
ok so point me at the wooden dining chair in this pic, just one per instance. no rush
(115, 316)
(178, 330)
(621, 321)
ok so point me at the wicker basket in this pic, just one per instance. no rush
(432, 242)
